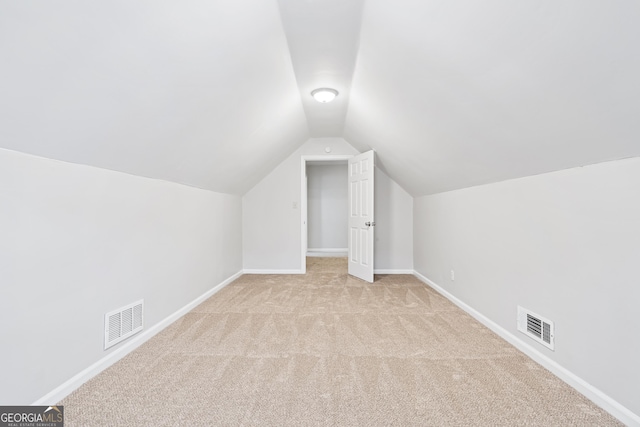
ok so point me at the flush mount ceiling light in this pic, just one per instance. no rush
(324, 94)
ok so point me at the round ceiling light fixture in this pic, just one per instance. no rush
(324, 94)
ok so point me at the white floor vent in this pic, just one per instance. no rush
(122, 323)
(536, 327)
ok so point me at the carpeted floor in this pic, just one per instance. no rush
(327, 349)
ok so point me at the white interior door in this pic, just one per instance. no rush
(361, 222)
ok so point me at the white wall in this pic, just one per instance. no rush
(565, 245)
(327, 214)
(271, 225)
(270, 222)
(394, 225)
(78, 241)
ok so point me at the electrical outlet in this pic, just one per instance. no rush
(453, 275)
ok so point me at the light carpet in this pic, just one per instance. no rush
(326, 349)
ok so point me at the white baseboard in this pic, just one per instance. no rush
(392, 271)
(265, 271)
(328, 252)
(259, 271)
(594, 394)
(66, 388)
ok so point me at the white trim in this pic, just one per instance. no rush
(66, 388)
(328, 250)
(326, 158)
(594, 394)
(303, 215)
(392, 271)
(265, 271)
(303, 203)
(327, 254)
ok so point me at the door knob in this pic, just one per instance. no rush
(370, 224)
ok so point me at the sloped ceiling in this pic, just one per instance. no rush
(323, 42)
(198, 92)
(453, 94)
(214, 94)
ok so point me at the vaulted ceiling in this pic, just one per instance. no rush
(215, 94)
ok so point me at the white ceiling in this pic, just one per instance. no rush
(216, 94)
(453, 94)
(323, 43)
(197, 92)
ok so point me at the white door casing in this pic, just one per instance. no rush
(361, 221)
(303, 198)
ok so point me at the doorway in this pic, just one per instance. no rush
(324, 204)
(327, 214)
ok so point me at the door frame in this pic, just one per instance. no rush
(303, 199)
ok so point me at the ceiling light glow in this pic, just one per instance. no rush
(324, 94)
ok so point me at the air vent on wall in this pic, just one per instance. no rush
(536, 327)
(122, 323)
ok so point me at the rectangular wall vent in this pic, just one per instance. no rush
(536, 327)
(122, 323)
